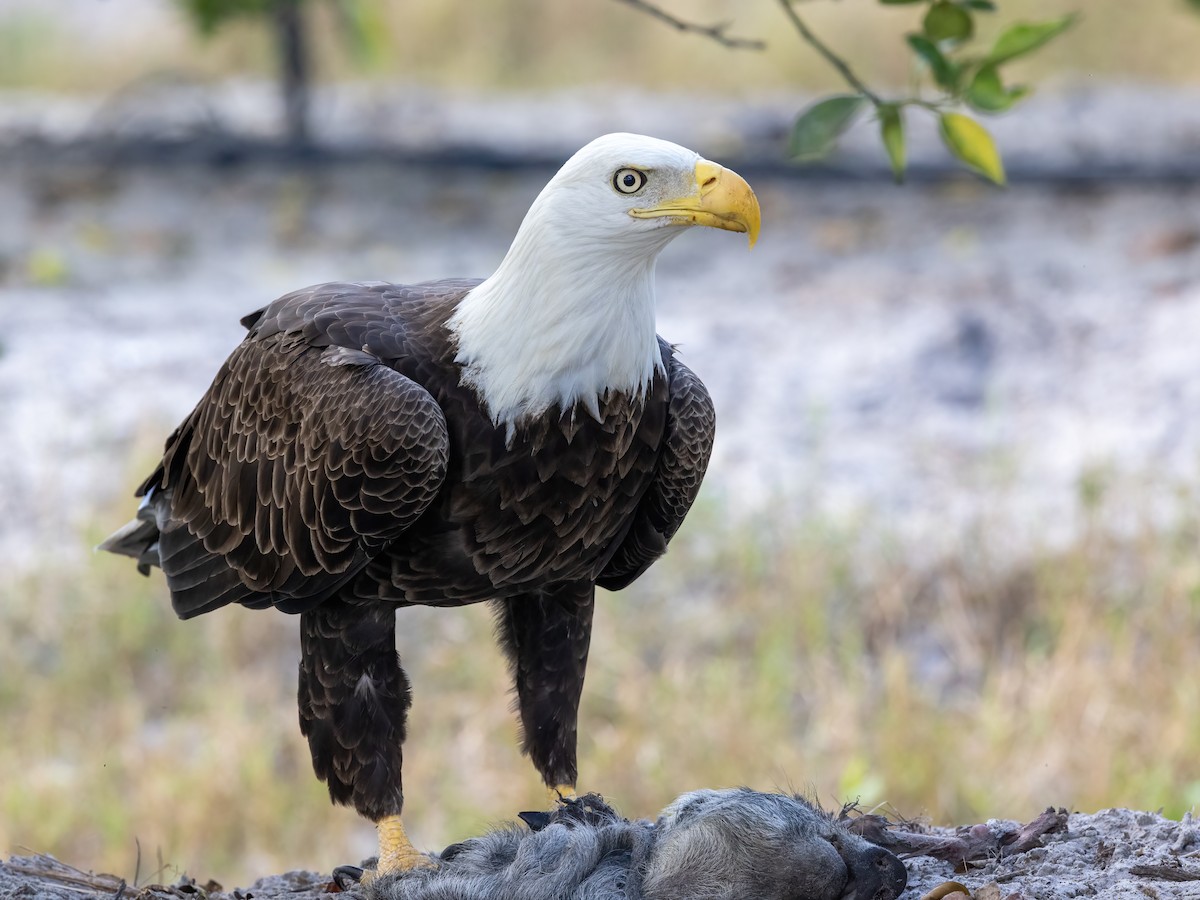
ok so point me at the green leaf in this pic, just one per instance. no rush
(945, 73)
(971, 143)
(891, 129)
(947, 22)
(985, 5)
(902, 2)
(818, 127)
(209, 15)
(1025, 37)
(987, 92)
(366, 31)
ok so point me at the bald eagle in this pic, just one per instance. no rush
(517, 440)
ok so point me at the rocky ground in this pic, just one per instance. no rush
(1115, 854)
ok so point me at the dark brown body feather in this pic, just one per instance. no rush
(337, 468)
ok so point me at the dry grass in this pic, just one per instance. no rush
(779, 656)
(539, 44)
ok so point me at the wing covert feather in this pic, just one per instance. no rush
(297, 466)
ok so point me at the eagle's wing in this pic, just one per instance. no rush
(302, 461)
(686, 448)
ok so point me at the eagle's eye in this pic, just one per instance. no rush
(629, 181)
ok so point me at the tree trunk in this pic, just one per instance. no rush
(293, 68)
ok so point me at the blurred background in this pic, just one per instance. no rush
(947, 558)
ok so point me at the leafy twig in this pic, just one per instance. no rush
(832, 58)
(964, 79)
(718, 32)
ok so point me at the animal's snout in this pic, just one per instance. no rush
(876, 874)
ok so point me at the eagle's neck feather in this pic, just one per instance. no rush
(562, 321)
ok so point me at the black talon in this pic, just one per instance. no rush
(535, 820)
(345, 877)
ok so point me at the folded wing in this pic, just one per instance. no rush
(299, 464)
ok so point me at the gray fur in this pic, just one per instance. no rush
(707, 845)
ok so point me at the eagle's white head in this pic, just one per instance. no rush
(569, 314)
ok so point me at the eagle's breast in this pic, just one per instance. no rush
(544, 504)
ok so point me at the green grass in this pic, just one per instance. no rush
(775, 655)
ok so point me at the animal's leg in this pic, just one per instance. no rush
(546, 637)
(354, 699)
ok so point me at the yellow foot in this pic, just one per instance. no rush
(396, 852)
(560, 792)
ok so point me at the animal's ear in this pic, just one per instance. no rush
(535, 820)
(686, 806)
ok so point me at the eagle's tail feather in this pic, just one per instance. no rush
(138, 539)
(199, 581)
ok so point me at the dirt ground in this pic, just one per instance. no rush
(1115, 854)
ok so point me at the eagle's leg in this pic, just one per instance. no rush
(354, 700)
(546, 637)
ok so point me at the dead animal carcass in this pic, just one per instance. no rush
(707, 844)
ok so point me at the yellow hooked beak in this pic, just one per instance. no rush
(722, 199)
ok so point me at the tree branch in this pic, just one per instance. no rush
(718, 32)
(832, 58)
(974, 843)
